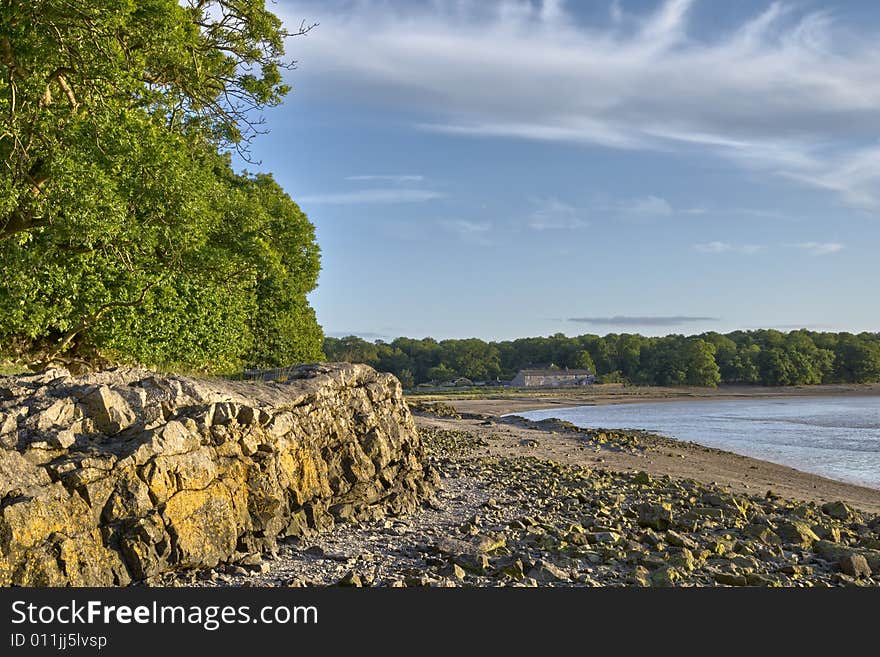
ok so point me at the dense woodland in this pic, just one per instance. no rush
(765, 357)
(125, 233)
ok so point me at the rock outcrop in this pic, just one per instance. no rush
(117, 477)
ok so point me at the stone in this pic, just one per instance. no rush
(757, 579)
(59, 413)
(854, 565)
(145, 474)
(731, 579)
(678, 540)
(488, 543)
(763, 534)
(838, 510)
(827, 532)
(351, 578)
(545, 571)
(684, 560)
(108, 410)
(666, 576)
(473, 563)
(509, 567)
(606, 538)
(796, 533)
(656, 516)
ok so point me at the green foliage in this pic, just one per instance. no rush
(124, 232)
(756, 357)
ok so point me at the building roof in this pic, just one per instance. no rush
(549, 372)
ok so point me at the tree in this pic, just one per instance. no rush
(351, 349)
(585, 362)
(702, 370)
(776, 367)
(124, 232)
(441, 373)
(857, 360)
(471, 358)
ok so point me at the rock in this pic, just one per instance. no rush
(838, 510)
(488, 543)
(108, 410)
(854, 565)
(763, 534)
(545, 571)
(642, 478)
(655, 516)
(252, 559)
(666, 576)
(756, 579)
(641, 576)
(473, 563)
(351, 578)
(677, 540)
(454, 546)
(684, 560)
(796, 533)
(606, 538)
(173, 472)
(509, 567)
(731, 579)
(707, 512)
(457, 571)
(827, 532)
(62, 439)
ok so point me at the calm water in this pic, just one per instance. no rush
(838, 437)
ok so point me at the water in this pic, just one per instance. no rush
(837, 437)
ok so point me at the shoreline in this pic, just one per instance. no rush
(521, 401)
(657, 455)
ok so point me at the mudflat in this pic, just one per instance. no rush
(500, 401)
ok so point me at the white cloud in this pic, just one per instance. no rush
(371, 196)
(788, 92)
(553, 214)
(713, 247)
(650, 206)
(727, 247)
(469, 231)
(820, 248)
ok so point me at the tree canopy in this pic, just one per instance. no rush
(742, 357)
(125, 233)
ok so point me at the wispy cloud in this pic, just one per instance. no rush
(797, 327)
(788, 92)
(631, 320)
(553, 214)
(392, 178)
(820, 248)
(394, 195)
(727, 247)
(647, 206)
(474, 232)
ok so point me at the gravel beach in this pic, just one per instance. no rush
(548, 504)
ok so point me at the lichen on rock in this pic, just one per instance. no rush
(123, 475)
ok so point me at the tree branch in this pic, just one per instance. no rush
(93, 319)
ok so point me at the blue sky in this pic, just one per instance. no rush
(508, 169)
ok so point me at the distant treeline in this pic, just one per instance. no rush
(765, 357)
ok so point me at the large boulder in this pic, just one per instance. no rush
(125, 474)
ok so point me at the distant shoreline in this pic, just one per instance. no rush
(521, 401)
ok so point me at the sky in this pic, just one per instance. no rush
(502, 169)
